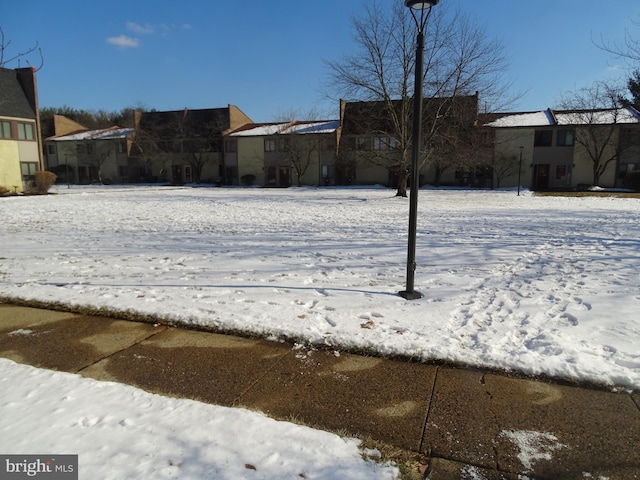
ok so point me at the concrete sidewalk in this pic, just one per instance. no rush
(465, 424)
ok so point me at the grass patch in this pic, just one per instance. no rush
(588, 194)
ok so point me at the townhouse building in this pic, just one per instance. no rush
(20, 140)
(284, 154)
(566, 150)
(90, 156)
(184, 146)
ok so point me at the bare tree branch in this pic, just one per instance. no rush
(6, 58)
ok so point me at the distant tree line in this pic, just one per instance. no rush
(92, 119)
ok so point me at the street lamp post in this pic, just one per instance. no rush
(424, 9)
(520, 170)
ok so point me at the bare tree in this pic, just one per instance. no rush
(597, 111)
(628, 49)
(460, 59)
(6, 58)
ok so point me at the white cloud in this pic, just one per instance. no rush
(124, 42)
(145, 29)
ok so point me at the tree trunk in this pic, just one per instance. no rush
(403, 178)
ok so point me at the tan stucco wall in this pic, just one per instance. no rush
(507, 144)
(251, 158)
(583, 168)
(10, 174)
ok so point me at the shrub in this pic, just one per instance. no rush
(248, 179)
(43, 182)
(3, 191)
(632, 180)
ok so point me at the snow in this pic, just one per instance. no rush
(120, 432)
(102, 134)
(297, 127)
(598, 117)
(528, 119)
(541, 285)
(558, 117)
(533, 446)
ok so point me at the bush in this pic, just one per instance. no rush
(632, 180)
(43, 181)
(3, 191)
(248, 180)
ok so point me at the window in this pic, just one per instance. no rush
(230, 146)
(565, 138)
(121, 147)
(328, 171)
(629, 137)
(283, 145)
(561, 172)
(25, 131)
(5, 129)
(543, 138)
(81, 148)
(380, 143)
(269, 145)
(51, 148)
(625, 168)
(28, 170)
(361, 143)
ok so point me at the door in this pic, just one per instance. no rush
(283, 177)
(176, 174)
(541, 177)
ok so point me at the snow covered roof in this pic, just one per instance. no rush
(298, 127)
(547, 118)
(102, 134)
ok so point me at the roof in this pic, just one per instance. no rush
(285, 128)
(14, 94)
(549, 118)
(366, 117)
(102, 134)
(196, 122)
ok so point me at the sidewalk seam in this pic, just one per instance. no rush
(426, 419)
(236, 401)
(108, 355)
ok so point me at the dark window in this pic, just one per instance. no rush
(362, 143)
(380, 143)
(230, 146)
(561, 172)
(269, 145)
(283, 144)
(543, 138)
(5, 129)
(566, 138)
(629, 137)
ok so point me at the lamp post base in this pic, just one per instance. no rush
(413, 295)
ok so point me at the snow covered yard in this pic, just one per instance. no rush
(543, 285)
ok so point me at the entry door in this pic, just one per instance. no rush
(284, 177)
(176, 177)
(187, 174)
(541, 177)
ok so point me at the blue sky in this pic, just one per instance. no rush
(266, 57)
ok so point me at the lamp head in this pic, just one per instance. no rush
(420, 4)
